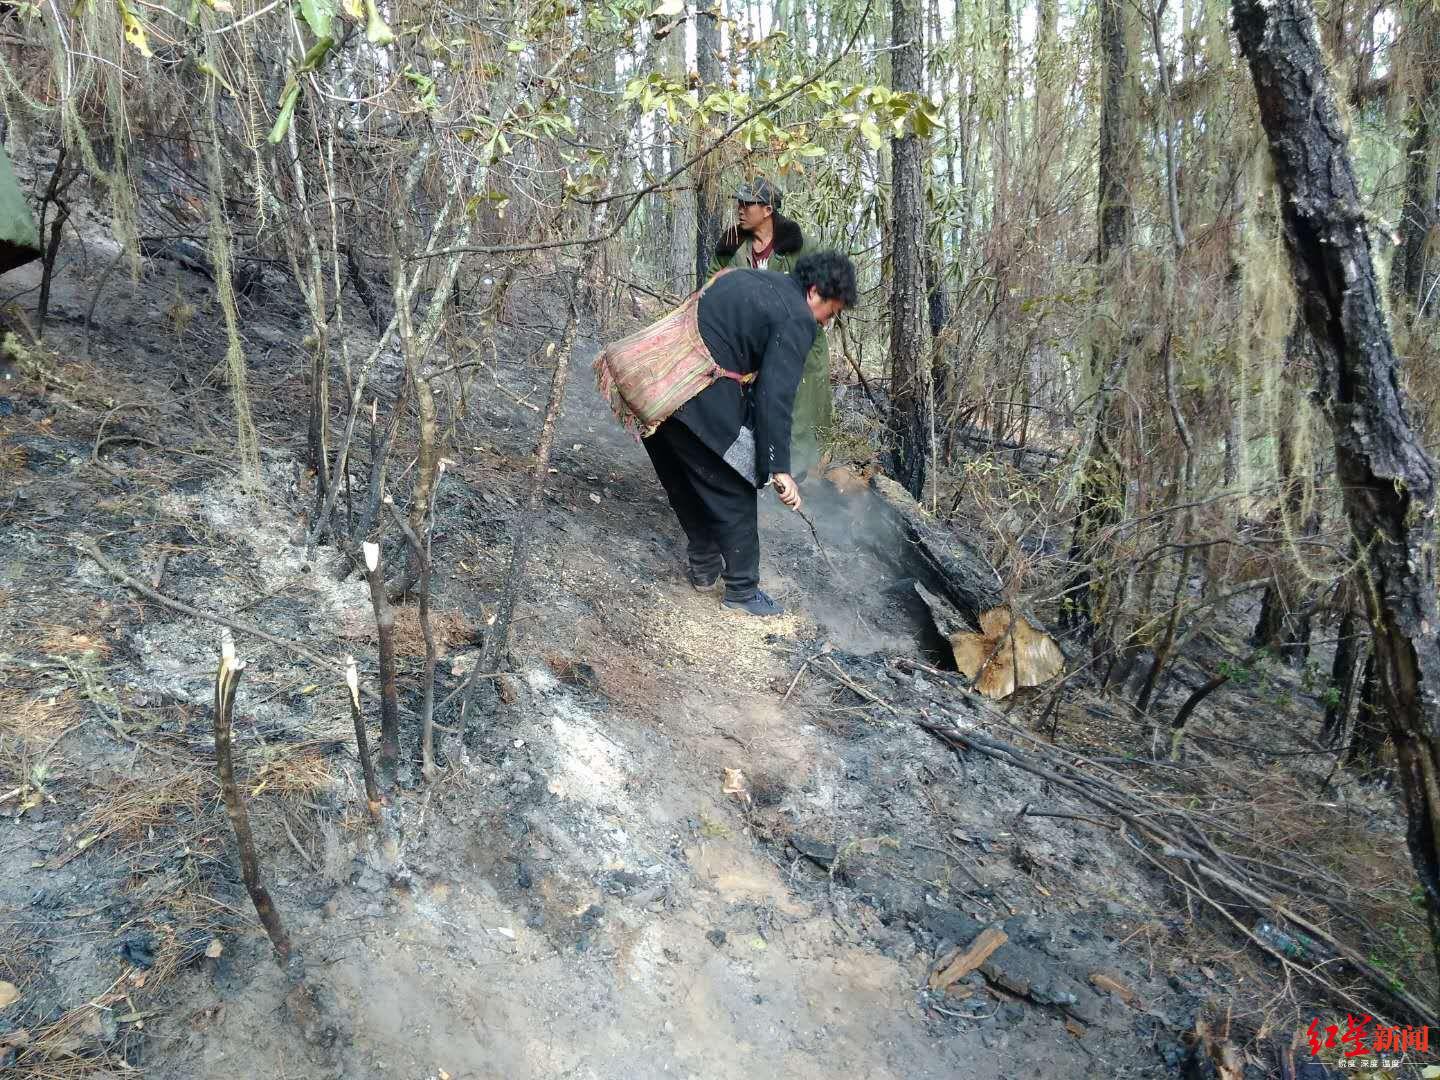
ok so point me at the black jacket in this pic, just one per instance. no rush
(752, 320)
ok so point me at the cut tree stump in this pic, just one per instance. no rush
(997, 645)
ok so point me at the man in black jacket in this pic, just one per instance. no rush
(731, 439)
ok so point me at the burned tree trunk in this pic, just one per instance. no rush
(1102, 489)
(1408, 273)
(925, 550)
(362, 743)
(1387, 478)
(1367, 741)
(708, 220)
(1341, 696)
(1271, 624)
(910, 388)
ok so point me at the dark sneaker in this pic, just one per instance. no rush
(704, 582)
(759, 604)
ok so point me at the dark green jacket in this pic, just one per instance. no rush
(813, 401)
(19, 242)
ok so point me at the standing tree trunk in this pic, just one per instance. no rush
(910, 382)
(680, 216)
(1387, 478)
(708, 218)
(1102, 484)
(385, 635)
(1408, 277)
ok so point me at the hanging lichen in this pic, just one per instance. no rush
(247, 445)
(1267, 313)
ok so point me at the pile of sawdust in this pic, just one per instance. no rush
(706, 637)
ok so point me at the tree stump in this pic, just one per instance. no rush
(996, 644)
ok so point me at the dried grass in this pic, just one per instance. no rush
(626, 683)
(39, 721)
(64, 1051)
(1349, 866)
(71, 1048)
(29, 729)
(57, 639)
(292, 772)
(12, 459)
(450, 628)
(129, 809)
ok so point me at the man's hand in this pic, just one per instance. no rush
(787, 489)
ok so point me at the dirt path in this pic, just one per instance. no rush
(579, 896)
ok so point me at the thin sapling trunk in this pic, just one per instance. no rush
(385, 630)
(227, 682)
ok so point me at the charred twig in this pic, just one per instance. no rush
(385, 631)
(1161, 842)
(100, 441)
(825, 648)
(299, 848)
(95, 299)
(816, 536)
(54, 195)
(362, 743)
(227, 682)
(379, 457)
(1026, 811)
(850, 684)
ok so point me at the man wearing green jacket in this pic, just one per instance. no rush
(764, 239)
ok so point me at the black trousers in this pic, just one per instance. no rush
(715, 505)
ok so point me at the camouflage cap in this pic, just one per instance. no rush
(759, 190)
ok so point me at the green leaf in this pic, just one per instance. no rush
(872, 133)
(515, 46)
(316, 56)
(318, 15)
(811, 151)
(287, 109)
(134, 31)
(668, 8)
(377, 30)
(206, 68)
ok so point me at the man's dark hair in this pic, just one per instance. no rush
(830, 273)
